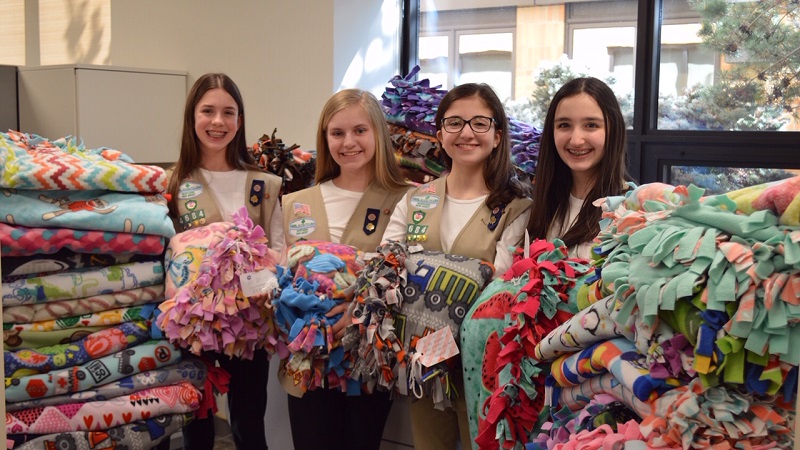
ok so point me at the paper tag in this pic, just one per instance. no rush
(437, 347)
(257, 283)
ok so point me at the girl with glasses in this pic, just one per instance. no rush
(479, 210)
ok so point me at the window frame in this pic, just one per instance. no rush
(651, 152)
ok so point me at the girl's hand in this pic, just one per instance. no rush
(341, 324)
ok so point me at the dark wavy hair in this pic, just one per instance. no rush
(189, 159)
(553, 178)
(498, 172)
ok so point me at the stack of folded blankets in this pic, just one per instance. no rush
(681, 338)
(82, 234)
(410, 108)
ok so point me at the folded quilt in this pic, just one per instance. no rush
(70, 308)
(15, 267)
(96, 345)
(206, 308)
(101, 318)
(81, 284)
(24, 241)
(14, 340)
(181, 397)
(137, 435)
(143, 357)
(190, 369)
(28, 161)
(122, 212)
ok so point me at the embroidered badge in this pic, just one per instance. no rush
(425, 201)
(256, 192)
(428, 189)
(417, 216)
(302, 208)
(302, 227)
(416, 233)
(191, 205)
(371, 220)
(192, 219)
(497, 212)
(190, 189)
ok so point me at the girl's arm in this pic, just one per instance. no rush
(512, 235)
(396, 229)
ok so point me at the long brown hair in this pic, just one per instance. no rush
(384, 165)
(189, 159)
(553, 178)
(498, 173)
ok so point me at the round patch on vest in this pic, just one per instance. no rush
(302, 227)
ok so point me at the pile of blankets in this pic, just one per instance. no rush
(82, 233)
(681, 337)
(410, 108)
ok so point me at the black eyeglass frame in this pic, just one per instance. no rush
(469, 122)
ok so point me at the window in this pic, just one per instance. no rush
(701, 88)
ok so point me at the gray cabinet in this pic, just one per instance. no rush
(136, 111)
(8, 98)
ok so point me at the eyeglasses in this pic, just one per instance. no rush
(478, 124)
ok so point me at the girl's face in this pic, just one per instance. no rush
(351, 140)
(467, 147)
(580, 134)
(216, 120)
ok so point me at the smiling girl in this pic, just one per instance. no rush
(214, 177)
(358, 184)
(581, 159)
(479, 210)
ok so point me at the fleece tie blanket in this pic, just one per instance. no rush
(181, 397)
(137, 435)
(15, 267)
(190, 369)
(206, 309)
(96, 345)
(147, 356)
(100, 318)
(121, 212)
(498, 337)
(38, 312)
(318, 276)
(405, 294)
(28, 161)
(24, 241)
(81, 284)
(418, 151)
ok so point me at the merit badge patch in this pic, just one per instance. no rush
(190, 189)
(256, 192)
(301, 208)
(497, 212)
(191, 205)
(425, 201)
(417, 216)
(371, 220)
(416, 233)
(302, 227)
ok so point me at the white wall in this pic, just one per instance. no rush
(287, 57)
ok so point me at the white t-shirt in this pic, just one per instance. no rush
(455, 215)
(340, 205)
(228, 190)
(557, 230)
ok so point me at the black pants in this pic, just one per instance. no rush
(327, 419)
(247, 404)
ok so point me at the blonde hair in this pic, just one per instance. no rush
(384, 165)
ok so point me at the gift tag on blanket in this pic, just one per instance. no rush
(258, 283)
(437, 347)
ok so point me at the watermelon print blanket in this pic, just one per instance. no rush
(121, 212)
(23, 241)
(28, 161)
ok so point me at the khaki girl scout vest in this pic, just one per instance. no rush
(304, 217)
(478, 238)
(197, 207)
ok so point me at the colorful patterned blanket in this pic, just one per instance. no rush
(28, 161)
(25, 241)
(121, 212)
